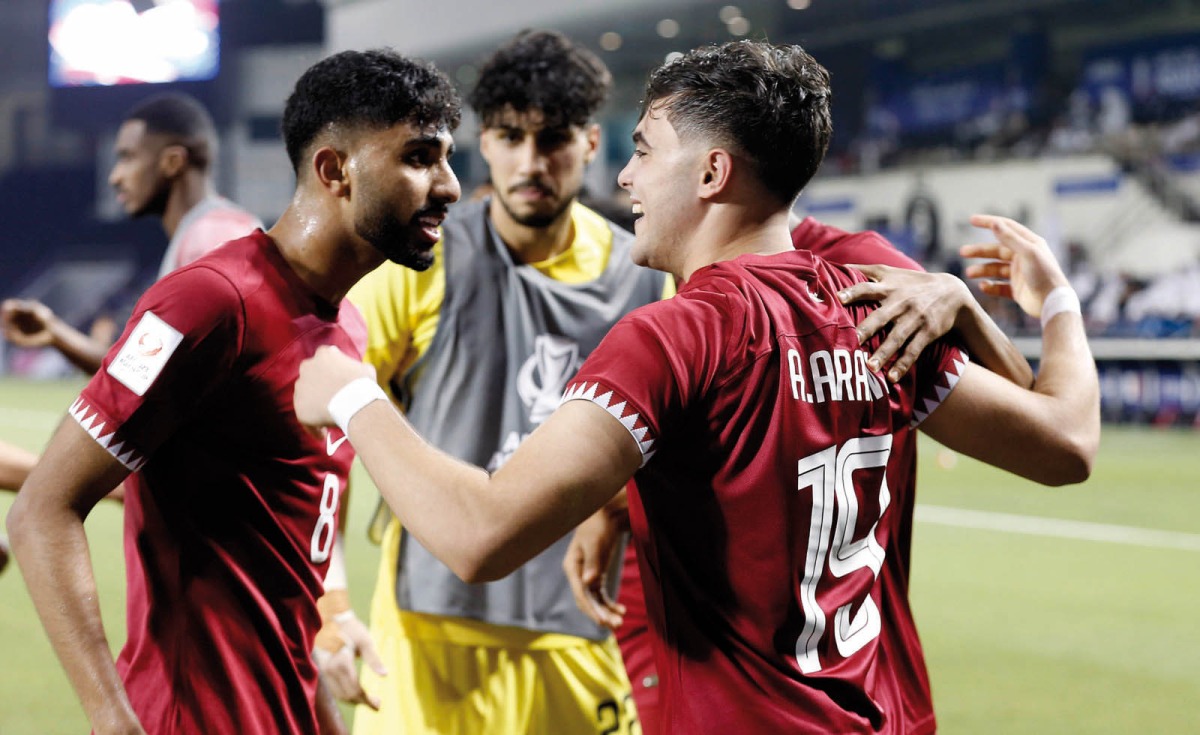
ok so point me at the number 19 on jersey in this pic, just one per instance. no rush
(829, 474)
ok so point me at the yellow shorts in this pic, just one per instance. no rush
(453, 676)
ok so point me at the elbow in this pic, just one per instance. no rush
(17, 523)
(481, 571)
(475, 571)
(1072, 463)
(1070, 472)
(487, 559)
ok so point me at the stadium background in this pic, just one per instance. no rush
(1043, 611)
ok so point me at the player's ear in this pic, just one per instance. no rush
(329, 169)
(716, 173)
(172, 160)
(592, 134)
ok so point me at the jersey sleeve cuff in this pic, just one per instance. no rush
(619, 408)
(940, 387)
(104, 431)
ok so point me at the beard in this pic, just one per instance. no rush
(537, 220)
(156, 204)
(396, 240)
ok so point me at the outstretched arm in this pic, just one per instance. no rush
(45, 527)
(920, 307)
(1048, 433)
(483, 527)
(33, 324)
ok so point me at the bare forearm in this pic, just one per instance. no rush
(484, 527)
(990, 347)
(437, 498)
(52, 552)
(80, 349)
(1048, 434)
(15, 466)
(1067, 375)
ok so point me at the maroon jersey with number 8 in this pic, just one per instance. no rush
(231, 509)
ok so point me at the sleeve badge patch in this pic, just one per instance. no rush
(144, 354)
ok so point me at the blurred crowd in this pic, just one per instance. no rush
(1151, 143)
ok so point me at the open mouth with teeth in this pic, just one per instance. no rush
(429, 227)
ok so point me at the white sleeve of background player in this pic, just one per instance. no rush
(335, 576)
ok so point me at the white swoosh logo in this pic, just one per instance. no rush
(331, 446)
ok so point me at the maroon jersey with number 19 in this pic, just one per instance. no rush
(766, 501)
(231, 509)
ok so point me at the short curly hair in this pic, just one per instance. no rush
(541, 70)
(375, 89)
(769, 103)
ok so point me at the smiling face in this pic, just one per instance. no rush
(661, 179)
(137, 176)
(402, 185)
(536, 172)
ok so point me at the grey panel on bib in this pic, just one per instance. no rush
(507, 341)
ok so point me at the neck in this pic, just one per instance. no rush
(327, 257)
(728, 231)
(187, 191)
(531, 244)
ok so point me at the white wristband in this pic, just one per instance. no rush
(1061, 299)
(344, 616)
(352, 398)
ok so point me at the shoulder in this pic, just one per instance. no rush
(698, 311)
(228, 211)
(353, 324)
(197, 298)
(841, 246)
(221, 222)
(205, 281)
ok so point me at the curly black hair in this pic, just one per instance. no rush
(768, 103)
(184, 121)
(377, 89)
(544, 71)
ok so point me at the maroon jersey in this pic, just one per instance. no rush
(767, 500)
(839, 246)
(899, 641)
(230, 513)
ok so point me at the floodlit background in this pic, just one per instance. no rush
(1042, 610)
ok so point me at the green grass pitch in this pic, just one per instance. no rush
(1027, 629)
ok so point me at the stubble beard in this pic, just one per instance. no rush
(156, 205)
(393, 239)
(537, 220)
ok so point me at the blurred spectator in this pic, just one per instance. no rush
(1168, 306)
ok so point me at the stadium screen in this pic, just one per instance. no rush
(111, 42)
